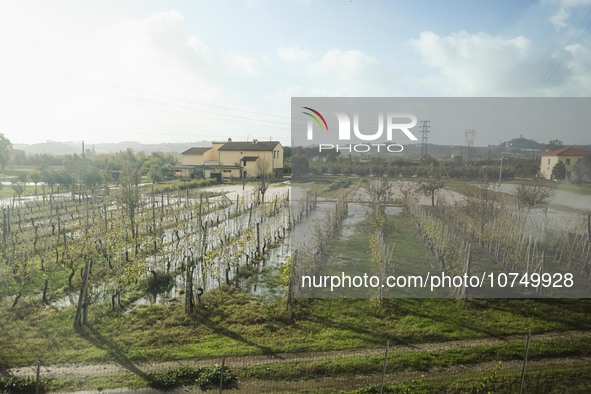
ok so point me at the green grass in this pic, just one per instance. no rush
(461, 186)
(546, 379)
(584, 188)
(331, 187)
(238, 324)
(424, 361)
(6, 191)
(235, 323)
(417, 361)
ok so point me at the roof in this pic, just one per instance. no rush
(249, 145)
(195, 151)
(250, 158)
(570, 151)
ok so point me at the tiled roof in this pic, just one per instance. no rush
(195, 151)
(568, 152)
(249, 158)
(249, 146)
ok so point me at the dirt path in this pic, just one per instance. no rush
(71, 371)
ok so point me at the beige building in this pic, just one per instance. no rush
(232, 159)
(568, 156)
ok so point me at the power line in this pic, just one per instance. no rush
(185, 108)
(563, 54)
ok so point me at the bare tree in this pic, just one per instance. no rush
(533, 194)
(380, 191)
(433, 183)
(483, 203)
(20, 184)
(263, 175)
(129, 195)
(408, 190)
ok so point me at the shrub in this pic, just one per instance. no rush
(341, 183)
(176, 377)
(159, 283)
(21, 384)
(534, 194)
(210, 378)
(207, 377)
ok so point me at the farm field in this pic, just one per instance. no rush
(122, 290)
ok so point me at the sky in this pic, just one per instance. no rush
(185, 71)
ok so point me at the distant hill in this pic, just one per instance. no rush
(65, 148)
(524, 143)
(519, 147)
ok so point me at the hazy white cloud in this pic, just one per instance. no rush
(560, 17)
(564, 9)
(293, 54)
(133, 75)
(156, 53)
(242, 64)
(346, 65)
(482, 64)
(199, 47)
(69, 65)
(579, 66)
(335, 72)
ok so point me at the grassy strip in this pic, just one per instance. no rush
(238, 324)
(341, 367)
(546, 379)
(417, 361)
(584, 189)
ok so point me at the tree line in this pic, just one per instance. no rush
(308, 161)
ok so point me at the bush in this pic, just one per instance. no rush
(159, 283)
(20, 384)
(184, 185)
(534, 194)
(173, 378)
(210, 378)
(207, 377)
(341, 183)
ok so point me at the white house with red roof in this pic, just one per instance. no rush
(568, 156)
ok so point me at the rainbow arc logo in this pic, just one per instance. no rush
(316, 115)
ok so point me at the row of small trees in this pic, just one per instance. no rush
(509, 233)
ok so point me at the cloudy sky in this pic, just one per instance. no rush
(182, 71)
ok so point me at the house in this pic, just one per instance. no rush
(568, 156)
(232, 159)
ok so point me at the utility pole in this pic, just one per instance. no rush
(424, 131)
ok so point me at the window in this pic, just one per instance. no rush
(548, 161)
(568, 162)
